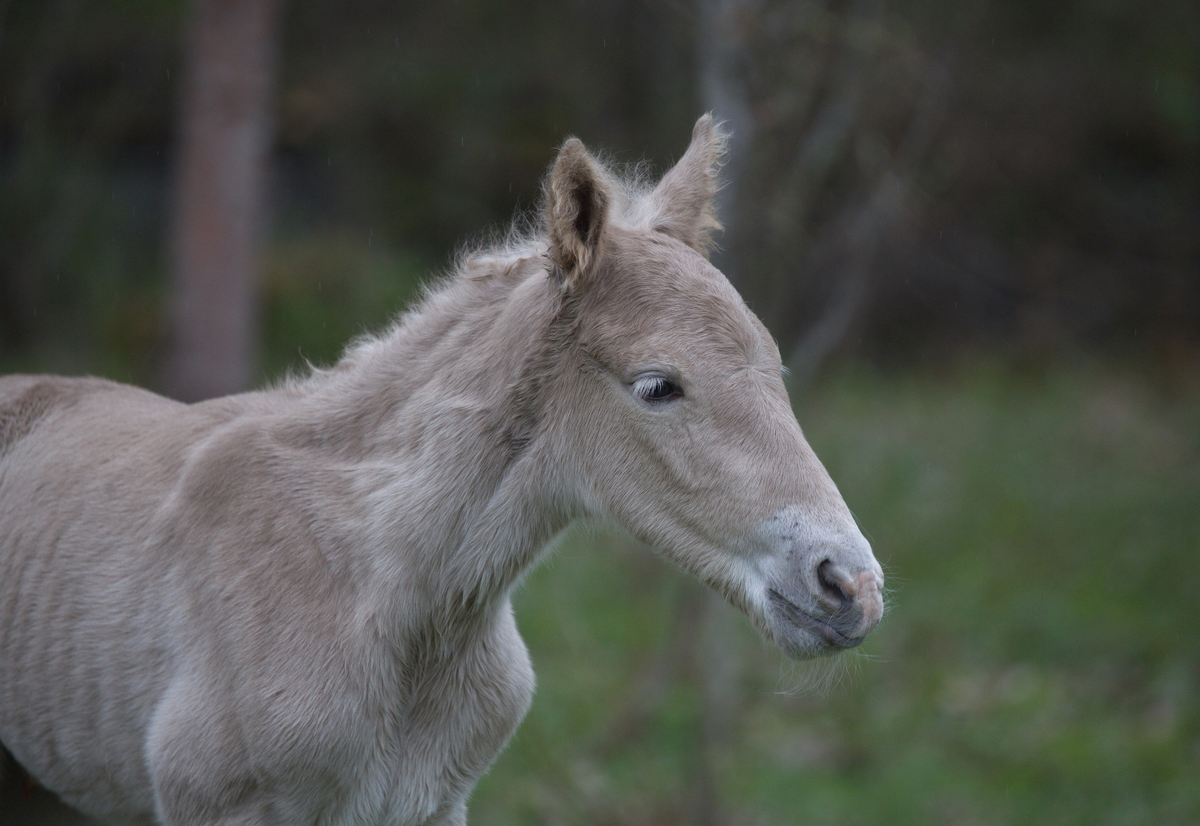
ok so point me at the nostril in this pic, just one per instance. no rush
(833, 588)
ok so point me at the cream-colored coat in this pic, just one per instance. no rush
(292, 606)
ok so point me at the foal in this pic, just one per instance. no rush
(292, 606)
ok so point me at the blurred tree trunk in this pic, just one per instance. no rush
(225, 135)
(713, 658)
(723, 55)
(814, 107)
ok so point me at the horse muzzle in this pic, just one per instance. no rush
(840, 611)
(818, 607)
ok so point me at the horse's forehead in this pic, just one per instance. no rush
(673, 296)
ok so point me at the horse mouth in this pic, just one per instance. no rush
(798, 616)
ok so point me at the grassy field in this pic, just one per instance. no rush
(1039, 662)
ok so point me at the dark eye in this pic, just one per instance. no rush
(656, 389)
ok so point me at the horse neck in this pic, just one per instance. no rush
(437, 424)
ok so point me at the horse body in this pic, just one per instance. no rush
(292, 606)
(258, 586)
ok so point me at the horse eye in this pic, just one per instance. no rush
(656, 389)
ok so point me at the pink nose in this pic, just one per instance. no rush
(846, 594)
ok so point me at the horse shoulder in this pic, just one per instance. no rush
(264, 618)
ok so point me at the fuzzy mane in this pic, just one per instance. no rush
(636, 205)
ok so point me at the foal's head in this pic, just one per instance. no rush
(676, 418)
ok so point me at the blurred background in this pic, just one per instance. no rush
(973, 228)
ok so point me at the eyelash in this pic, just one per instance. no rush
(656, 389)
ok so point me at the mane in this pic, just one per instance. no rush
(497, 251)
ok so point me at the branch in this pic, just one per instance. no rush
(866, 227)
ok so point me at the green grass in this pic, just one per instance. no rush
(1039, 662)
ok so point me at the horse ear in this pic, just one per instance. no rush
(577, 198)
(682, 203)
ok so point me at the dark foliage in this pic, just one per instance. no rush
(1046, 158)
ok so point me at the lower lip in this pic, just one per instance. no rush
(822, 629)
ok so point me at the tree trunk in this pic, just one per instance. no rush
(225, 135)
(722, 55)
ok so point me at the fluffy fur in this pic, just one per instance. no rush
(292, 606)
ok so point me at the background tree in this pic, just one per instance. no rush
(225, 139)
